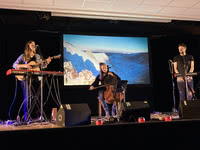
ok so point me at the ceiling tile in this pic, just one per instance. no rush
(192, 12)
(148, 8)
(10, 1)
(96, 5)
(157, 2)
(72, 4)
(125, 5)
(172, 10)
(182, 9)
(107, 1)
(196, 5)
(183, 3)
(39, 2)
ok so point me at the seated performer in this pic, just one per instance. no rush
(29, 60)
(106, 96)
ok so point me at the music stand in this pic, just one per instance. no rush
(123, 85)
(121, 88)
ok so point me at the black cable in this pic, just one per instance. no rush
(59, 100)
(56, 92)
(50, 92)
(13, 99)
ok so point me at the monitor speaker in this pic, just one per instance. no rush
(132, 110)
(189, 109)
(73, 115)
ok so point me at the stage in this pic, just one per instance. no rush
(152, 133)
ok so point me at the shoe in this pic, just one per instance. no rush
(106, 118)
(111, 118)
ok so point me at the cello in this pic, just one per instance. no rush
(111, 93)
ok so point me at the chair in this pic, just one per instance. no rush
(120, 93)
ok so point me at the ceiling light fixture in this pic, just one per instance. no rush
(111, 16)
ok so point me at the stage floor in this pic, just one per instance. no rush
(8, 126)
(11, 125)
(150, 134)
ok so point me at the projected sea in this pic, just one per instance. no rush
(81, 67)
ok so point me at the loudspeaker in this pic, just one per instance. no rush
(189, 109)
(132, 110)
(73, 114)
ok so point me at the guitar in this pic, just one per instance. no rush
(36, 66)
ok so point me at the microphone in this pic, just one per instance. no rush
(39, 50)
(170, 61)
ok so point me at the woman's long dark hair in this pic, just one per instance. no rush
(102, 74)
(27, 49)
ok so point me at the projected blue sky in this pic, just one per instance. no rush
(127, 57)
(112, 43)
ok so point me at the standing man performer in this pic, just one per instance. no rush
(183, 64)
(29, 60)
(101, 80)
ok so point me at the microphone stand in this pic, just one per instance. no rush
(173, 85)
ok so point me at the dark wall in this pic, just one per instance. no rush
(12, 42)
(164, 49)
(163, 42)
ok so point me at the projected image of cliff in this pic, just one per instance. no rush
(127, 56)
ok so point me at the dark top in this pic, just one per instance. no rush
(183, 63)
(106, 78)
